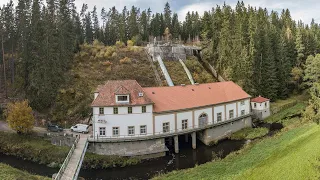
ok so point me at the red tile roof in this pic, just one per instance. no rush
(259, 99)
(108, 91)
(191, 96)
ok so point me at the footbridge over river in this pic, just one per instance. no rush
(72, 164)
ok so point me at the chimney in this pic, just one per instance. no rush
(183, 85)
(196, 83)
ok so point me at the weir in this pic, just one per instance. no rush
(164, 71)
(187, 71)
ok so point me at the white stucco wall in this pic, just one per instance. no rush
(198, 112)
(261, 106)
(232, 106)
(123, 120)
(183, 116)
(218, 109)
(136, 119)
(245, 107)
(160, 119)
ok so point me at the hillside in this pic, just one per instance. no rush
(94, 65)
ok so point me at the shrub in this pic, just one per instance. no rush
(130, 43)
(97, 43)
(249, 133)
(114, 54)
(107, 63)
(20, 117)
(125, 60)
(110, 50)
(120, 44)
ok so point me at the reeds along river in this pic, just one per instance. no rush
(187, 158)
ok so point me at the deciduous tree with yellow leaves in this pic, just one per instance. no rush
(19, 116)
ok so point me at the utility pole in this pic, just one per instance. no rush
(4, 68)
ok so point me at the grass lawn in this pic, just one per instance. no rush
(292, 154)
(9, 173)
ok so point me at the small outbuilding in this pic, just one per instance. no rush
(260, 107)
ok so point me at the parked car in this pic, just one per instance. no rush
(54, 128)
(82, 128)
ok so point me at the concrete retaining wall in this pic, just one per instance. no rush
(151, 148)
(220, 132)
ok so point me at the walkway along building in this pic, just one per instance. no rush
(131, 120)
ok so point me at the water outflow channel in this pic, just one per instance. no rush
(187, 158)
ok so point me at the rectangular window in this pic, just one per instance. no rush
(115, 110)
(122, 98)
(185, 124)
(131, 130)
(101, 110)
(144, 109)
(242, 112)
(166, 127)
(255, 105)
(102, 131)
(129, 110)
(231, 114)
(115, 131)
(242, 103)
(143, 129)
(265, 104)
(219, 117)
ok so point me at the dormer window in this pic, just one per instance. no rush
(122, 98)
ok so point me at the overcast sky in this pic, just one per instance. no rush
(303, 10)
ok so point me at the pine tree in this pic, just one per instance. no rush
(167, 16)
(175, 30)
(133, 23)
(300, 48)
(96, 26)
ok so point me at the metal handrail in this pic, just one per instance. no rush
(189, 129)
(75, 176)
(66, 161)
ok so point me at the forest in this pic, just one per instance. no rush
(263, 51)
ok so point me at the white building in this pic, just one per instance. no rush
(124, 109)
(260, 107)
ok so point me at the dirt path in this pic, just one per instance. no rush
(4, 126)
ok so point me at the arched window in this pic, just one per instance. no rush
(203, 120)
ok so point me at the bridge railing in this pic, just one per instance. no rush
(66, 161)
(75, 176)
(168, 133)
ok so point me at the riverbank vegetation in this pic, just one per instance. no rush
(9, 173)
(40, 150)
(96, 161)
(249, 133)
(32, 148)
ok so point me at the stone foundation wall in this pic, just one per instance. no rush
(154, 147)
(223, 131)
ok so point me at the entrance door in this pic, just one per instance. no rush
(203, 120)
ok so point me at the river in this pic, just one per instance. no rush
(187, 158)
